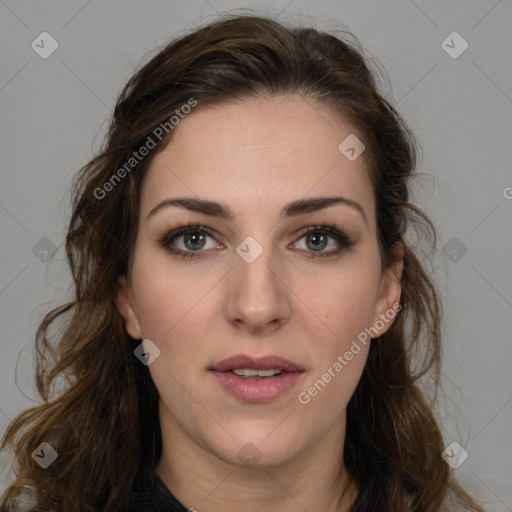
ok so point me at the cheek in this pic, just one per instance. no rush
(176, 312)
(340, 355)
(166, 298)
(344, 312)
(342, 303)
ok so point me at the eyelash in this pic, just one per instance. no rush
(331, 230)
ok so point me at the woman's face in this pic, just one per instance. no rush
(257, 284)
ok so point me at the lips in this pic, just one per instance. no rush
(257, 389)
(242, 361)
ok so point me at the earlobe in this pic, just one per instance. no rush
(125, 306)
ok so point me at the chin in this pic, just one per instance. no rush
(257, 451)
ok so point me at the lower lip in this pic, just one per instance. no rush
(257, 391)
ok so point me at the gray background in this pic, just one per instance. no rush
(52, 117)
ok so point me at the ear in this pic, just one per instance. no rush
(125, 306)
(387, 305)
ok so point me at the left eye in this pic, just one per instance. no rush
(319, 236)
(193, 240)
(318, 240)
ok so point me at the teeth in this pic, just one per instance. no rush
(246, 372)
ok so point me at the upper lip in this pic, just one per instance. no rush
(241, 361)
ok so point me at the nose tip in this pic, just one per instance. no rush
(257, 298)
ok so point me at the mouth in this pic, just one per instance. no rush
(248, 373)
(256, 380)
(242, 362)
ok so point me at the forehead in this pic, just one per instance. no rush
(257, 154)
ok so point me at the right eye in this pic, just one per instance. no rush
(193, 241)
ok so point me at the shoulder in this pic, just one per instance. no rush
(149, 494)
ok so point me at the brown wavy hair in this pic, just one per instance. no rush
(98, 400)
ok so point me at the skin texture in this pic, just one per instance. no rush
(256, 155)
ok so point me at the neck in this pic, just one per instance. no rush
(313, 480)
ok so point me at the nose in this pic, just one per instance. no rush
(258, 299)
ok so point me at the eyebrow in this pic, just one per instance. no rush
(292, 209)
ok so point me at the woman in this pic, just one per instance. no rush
(249, 322)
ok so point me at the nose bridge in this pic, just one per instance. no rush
(257, 296)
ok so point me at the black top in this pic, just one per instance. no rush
(149, 494)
